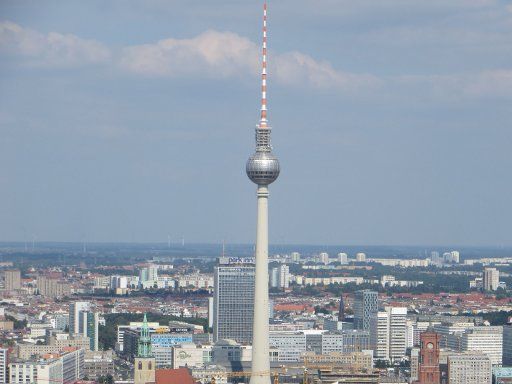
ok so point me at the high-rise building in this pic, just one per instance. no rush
(3, 365)
(144, 364)
(491, 279)
(263, 169)
(323, 258)
(428, 372)
(280, 277)
(233, 311)
(210, 311)
(470, 368)
(89, 326)
(342, 258)
(295, 257)
(484, 339)
(379, 335)
(12, 279)
(365, 307)
(361, 257)
(51, 287)
(455, 257)
(74, 315)
(435, 259)
(389, 333)
(507, 345)
(148, 276)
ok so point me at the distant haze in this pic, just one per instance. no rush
(132, 121)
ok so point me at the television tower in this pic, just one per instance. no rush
(263, 169)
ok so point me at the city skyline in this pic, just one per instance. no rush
(403, 107)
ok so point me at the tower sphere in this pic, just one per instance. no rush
(262, 168)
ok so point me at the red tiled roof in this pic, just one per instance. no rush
(174, 376)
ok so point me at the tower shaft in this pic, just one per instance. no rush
(260, 345)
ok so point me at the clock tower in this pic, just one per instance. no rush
(429, 358)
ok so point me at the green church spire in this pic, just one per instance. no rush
(144, 347)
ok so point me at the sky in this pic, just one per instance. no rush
(132, 120)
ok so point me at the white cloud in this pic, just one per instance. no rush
(298, 68)
(484, 84)
(215, 54)
(225, 54)
(490, 83)
(52, 49)
(212, 53)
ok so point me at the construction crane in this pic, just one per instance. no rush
(275, 374)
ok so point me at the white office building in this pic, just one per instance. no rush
(389, 333)
(472, 368)
(487, 340)
(290, 345)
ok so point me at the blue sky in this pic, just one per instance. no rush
(132, 120)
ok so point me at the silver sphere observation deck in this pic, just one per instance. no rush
(262, 168)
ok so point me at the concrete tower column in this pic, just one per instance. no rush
(260, 346)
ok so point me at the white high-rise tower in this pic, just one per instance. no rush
(263, 169)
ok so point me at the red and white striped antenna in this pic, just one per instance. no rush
(263, 119)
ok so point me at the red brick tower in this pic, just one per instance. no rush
(429, 358)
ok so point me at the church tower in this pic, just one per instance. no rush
(144, 366)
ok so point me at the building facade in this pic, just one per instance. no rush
(472, 368)
(365, 307)
(491, 279)
(233, 303)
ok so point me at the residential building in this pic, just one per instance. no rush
(342, 258)
(491, 279)
(280, 277)
(51, 287)
(12, 279)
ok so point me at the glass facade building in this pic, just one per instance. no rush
(233, 303)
